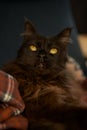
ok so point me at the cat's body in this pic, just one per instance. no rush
(52, 97)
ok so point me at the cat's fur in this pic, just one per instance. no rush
(54, 101)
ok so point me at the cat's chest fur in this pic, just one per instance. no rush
(45, 98)
(52, 98)
(48, 103)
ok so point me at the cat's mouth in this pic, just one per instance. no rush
(42, 66)
(42, 69)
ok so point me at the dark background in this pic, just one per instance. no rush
(49, 16)
(79, 9)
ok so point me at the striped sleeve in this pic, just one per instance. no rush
(9, 92)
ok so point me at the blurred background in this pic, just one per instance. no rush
(79, 10)
(50, 17)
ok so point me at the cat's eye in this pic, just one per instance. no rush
(53, 51)
(33, 48)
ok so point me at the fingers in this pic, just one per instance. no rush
(17, 122)
(4, 106)
(2, 126)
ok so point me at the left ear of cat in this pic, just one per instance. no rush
(29, 29)
(64, 37)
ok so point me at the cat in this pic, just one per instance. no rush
(52, 97)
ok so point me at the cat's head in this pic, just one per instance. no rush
(43, 54)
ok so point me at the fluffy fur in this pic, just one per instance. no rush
(53, 99)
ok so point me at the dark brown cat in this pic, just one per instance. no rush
(53, 99)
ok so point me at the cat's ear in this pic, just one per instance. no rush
(29, 29)
(65, 36)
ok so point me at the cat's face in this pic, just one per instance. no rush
(43, 54)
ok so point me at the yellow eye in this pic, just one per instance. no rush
(33, 48)
(53, 51)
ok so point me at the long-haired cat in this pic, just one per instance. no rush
(54, 101)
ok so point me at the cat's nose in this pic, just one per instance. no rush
(42, 57)
(42, 54)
